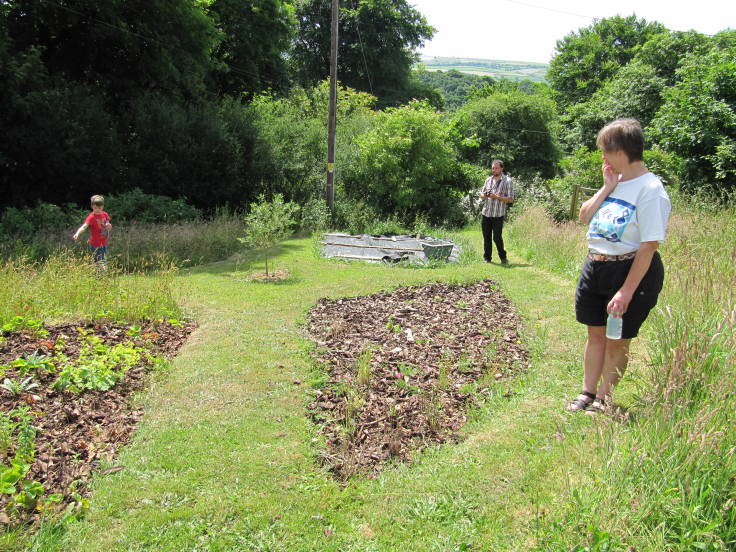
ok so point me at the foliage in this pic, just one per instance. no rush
(268, 223)
(249, 56)
(407, 165)
(27, 496)
(665, 52)
(18, 387)
(698, 119)
(314, 216)
(183, 149)
(28, 222)
(453, 85)
(635, 91)
(587, 58)
(377, 40)
(99, 366)
(513, 126)
(290, 152)
(97, 49)
(142, 208)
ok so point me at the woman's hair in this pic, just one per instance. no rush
(623, 135)
(97, 200)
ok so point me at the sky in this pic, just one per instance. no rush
(527, 30)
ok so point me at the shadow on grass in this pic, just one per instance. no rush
(245, 261)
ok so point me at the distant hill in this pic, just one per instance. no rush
(498, 69)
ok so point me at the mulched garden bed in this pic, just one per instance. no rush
(75, 431)
(403, 367)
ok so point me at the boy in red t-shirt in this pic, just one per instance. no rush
(98, 222)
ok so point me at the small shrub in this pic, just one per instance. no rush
(269, 223)
(314, 216)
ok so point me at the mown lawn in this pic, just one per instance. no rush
(225, 457)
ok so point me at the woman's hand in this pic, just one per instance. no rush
(610, 177)
(620, 303)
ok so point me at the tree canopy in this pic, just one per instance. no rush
(586, 58)
(377, 40)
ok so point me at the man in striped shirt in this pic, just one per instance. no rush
(498, 192)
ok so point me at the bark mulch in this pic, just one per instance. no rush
(75, 431)
(403, 367)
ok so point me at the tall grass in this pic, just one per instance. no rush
(559, 247)
(144, 247)
(67, 287)
(664, 479)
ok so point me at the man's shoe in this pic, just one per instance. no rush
(505, 262)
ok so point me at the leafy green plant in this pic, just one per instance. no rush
(18, 387)
(26, 496)
(392, 326)
(20, 323)
(33, 363)
(268, 223)
(99, 366)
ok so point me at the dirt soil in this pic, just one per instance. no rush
(75, 431)
(403, 367)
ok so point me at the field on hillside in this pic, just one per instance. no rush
(500, 69)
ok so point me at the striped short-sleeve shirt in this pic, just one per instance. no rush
(504, 188)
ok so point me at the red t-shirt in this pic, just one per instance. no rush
(97, 228)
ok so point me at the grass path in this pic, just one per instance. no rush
(224, 458)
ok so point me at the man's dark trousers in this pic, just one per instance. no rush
(492, 227)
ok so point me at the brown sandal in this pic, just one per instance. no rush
(598, 406)
(582, 402)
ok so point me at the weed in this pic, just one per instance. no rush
(443, 377)
(363, 364)
(18, 387)
(21, 323)
(392, 326)
(33, 363)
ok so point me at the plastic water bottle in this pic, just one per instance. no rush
(614, 326)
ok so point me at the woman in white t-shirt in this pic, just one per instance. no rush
(623, 273)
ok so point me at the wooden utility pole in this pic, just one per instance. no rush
(332, 117)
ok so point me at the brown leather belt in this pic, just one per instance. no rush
(601, 257)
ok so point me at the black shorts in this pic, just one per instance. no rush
(599, 282)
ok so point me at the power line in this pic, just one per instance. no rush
(362, 50)
(551, 9)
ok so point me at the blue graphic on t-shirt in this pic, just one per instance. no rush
(611, 219)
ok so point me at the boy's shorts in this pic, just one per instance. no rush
(599, 282)
(99, 253)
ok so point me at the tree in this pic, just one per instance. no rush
(513, 126)
(635, 91)
(698, 119)
(377, 40)
(255, 36)
(453, 85)
(407, 165)
(125, 47)
(587, 58)
(269, 223)
(664, 52)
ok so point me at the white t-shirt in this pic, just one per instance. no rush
(636, 211)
